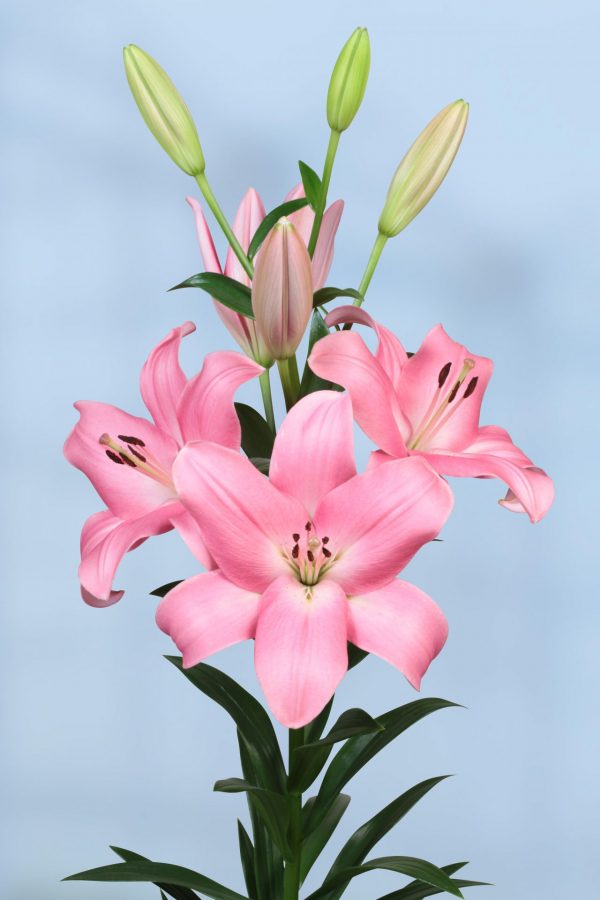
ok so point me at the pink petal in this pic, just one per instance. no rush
(302, 219)
(345, 359)
(390, 353)
(206, 410)
(401, 624)
(205, 614)
(419, 393)
(207, 247)
(250, 214)
(126, 491)
(493, 455)
(314, 448)
(105, 539)
(378, 520)
(323, 255)
(301, 650)
(189, 531)
(244, 519)
(162, 381)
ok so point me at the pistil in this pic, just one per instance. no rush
(433, 415)
(309, 558)
(129, 453)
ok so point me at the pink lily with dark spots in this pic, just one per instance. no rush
(306, 560)
(428, 405)
(129, 460)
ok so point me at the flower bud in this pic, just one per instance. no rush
(349, 80)
(163, 110)
(282, 290)
(423, 169)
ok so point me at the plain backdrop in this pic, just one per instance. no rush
(102, 741)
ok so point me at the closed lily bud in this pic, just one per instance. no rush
(423, 169)
(282, 290)
(349, 80)
(163, 110)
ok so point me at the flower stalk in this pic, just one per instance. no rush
(291, 878)
(264, 380)
(290, 380)
(334, 140)
(219, 215)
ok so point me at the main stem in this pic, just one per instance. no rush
(265, 388)
(290, 380)
(334, 139)
(380, 242)
(225, 227)
(291, 877)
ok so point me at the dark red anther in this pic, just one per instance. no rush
(311, 556)
(137, 442)
(326, 552)
(454, 392)
(137, 454)
(295, 551)
(296, 537)
(114, 457)
(444, 372)
(127, 461)
(471, 386)
(325, 540)
(308, 526)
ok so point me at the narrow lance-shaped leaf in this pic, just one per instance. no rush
(271, 807)
(271, 219)
(368, 835)
(317, 839)
(247, 859)
(351, 723)
(164, 589)
(231, 293)
(417, 890)
(177, 893)
(327, 294)
(311, 183)
(357, 751)
(404, 865)
(311, 382)
(250, 717)
(158, 873)
(257, 436)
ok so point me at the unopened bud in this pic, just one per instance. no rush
(282, 291)
(423, 169)
(349, 80)
(163, 110)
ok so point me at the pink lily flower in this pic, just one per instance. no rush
(428, 405)
(129, 460)
(307, 558)
(250, 214)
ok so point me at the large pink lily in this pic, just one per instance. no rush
(428, 405)
(129, 460)
(250, 214)
(307, 558)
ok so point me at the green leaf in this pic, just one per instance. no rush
(268, 867)
(311, 183)
(316, 840)
(314, 729)
(285, 209)
(368, 835)
(158, 872)
(164, 589)
(327, 294)
(250, 717)
(418, 890)
(404, 865)
(247, 858)
(257, 437)
(178, 893)
(311, 382)
(231, 293)
(163, 896)
(272, 808)
(357, 751)
(263, 465)
(351, 723)
(355, 655)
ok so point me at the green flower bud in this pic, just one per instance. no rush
(349, 80)
(423, 169)
(164, 110)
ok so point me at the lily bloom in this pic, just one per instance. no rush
(129, 460)
(428, 405)
(307, 558)
(250, 214)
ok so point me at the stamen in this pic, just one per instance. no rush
(433, 420)
(325, 540)
(471, 387)
(326, 552)
(444, 372)
(296, 536)
(308, 526)
(295, 551)
(310, 555)
(127, 460)
(137, 454)
(137, 442)
(114, 457)
(453, 392)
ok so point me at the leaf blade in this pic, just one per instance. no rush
(271, 807)
(158, 872)
(271, 219)
(404, 865)
(317, 839)
(227, 291)
(257, 436)
(327, 294)
(177, 893)
(311, 183)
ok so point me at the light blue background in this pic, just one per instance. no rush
(101, 740)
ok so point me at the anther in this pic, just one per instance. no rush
(137, 454)
(311, 555)
(295, 551)
(325, 540)
(296, 537)
(453, 392)
(471, 387)
(137, 442)
(326, 552)
(114, 457)
(308, 526)
(127, 461)
(444, 372)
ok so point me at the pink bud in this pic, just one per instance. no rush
(282, 290)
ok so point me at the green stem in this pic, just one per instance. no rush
(265, 389)
(225, 227)
(290, 380)
(380, 242)
(334, 139)
(291, 877)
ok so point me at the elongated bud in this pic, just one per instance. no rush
(282, 291)
(349, 80)
(164, 110)
(423, 169)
